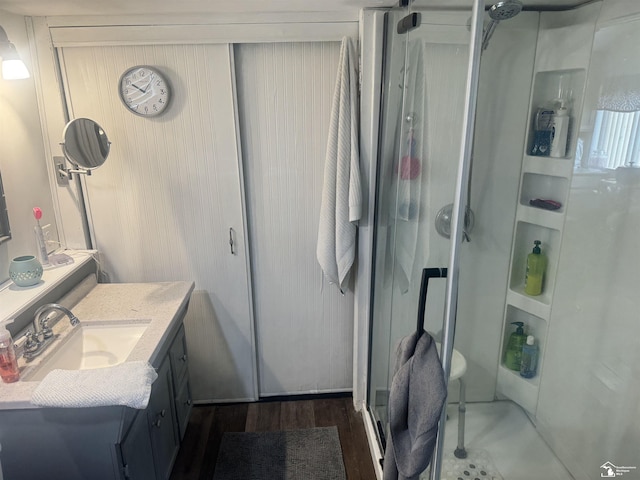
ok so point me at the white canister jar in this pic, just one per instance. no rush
(560, 128)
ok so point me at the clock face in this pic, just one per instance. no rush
(144, 91)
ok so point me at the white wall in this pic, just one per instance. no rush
(22, 155)
(590, 387)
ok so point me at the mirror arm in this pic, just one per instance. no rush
(67, 173)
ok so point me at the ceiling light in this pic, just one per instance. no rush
(13, 68)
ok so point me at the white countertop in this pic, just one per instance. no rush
(158, 303)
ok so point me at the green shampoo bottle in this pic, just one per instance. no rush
(536, 268)
(513, 352)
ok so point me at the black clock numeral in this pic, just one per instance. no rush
(159, 82)
(162, 91)
(142, 73)
(161, 101)
(155, 107)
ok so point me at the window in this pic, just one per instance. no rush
(616, 140)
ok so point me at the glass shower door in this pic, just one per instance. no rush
(421, 129)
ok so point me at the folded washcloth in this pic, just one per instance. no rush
(125, 384)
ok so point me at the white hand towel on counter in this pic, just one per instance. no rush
(341, 193)
(127, 384)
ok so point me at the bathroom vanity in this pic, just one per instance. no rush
(112, 442)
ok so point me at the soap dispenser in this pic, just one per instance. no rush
(8, 362)
(529, 363)
(513, 352)
(536, 267)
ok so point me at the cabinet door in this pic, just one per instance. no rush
(137, 457)
(179, 359)
(304, 332)
(183, 406)
(165, 204)
(182, 389)
(161, 421)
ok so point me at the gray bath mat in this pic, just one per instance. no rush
(285, 455)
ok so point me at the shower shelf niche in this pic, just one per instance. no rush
(520, 389)
(549, 86)
(549, 187)
(546, 178)
(525, 235)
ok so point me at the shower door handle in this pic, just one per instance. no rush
(231, 244)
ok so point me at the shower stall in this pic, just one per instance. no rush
(474, 198)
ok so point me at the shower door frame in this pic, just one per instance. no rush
(459, 210)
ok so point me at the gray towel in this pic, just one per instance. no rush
(418, 393)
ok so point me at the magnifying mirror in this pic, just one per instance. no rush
(85, 143)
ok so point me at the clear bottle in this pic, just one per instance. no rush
(8, 363)
(529, 361)
(536, 268)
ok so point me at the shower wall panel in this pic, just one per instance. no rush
(501, 119)
(590, 384)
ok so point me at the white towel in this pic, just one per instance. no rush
(126, 384)
(341, 194)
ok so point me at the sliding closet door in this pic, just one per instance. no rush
(163, 204)
(304, 325)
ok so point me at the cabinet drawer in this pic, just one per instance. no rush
(183, 406)
(178, 354)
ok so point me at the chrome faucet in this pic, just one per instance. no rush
(42, 334)
(40, 324)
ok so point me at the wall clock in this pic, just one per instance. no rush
(144, 91)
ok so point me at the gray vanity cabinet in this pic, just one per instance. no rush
(151, 445)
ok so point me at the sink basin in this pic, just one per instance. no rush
(91, 346)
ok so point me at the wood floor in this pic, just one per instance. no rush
(197, 457)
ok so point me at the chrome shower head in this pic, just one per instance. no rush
(505, 10)
(500, 11)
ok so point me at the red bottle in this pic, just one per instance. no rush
(8, 363)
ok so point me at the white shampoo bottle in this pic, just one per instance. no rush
(560, 129)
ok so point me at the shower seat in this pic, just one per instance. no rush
(458, 369)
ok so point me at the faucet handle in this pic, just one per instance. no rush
(74, 320)
(32, 344)
(46, 330)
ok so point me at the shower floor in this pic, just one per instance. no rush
(502, 432)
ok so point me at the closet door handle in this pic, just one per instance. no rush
(231, 240)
